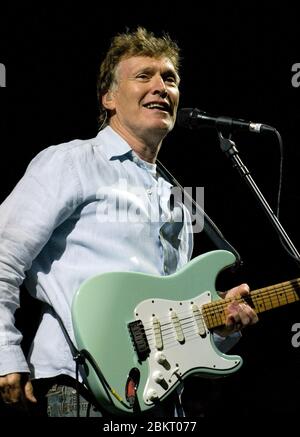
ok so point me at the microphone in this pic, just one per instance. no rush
(193, 118)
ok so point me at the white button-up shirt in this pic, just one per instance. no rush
(82, 208)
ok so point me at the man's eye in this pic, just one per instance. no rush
(171, 79)
(143, 76)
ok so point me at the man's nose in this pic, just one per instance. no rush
(160, 87)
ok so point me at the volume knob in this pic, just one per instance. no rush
(158, 377)
(152, 394)
(160, 357)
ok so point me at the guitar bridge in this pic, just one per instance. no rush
(139, 339)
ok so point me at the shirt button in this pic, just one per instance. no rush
(149, 191)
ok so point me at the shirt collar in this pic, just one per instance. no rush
(112, 144)
(114, 147)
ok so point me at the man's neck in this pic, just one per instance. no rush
(146, 150)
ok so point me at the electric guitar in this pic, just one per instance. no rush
(143, 334)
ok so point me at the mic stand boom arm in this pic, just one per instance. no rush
(230, 150)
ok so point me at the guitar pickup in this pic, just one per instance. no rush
(139, 339)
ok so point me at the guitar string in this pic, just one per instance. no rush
(165, 321)
(265, 294)
(167, 324)
(168, 331)
(211, 308)
(171, 341)
(165, 332)
(168, 328)
(194, 319)
(287, 292)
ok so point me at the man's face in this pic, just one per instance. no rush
(145, 99)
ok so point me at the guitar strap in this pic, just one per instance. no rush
(210, 228)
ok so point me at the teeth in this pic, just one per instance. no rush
(155, 105)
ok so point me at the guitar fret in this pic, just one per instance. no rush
(214, 313)
(275, 296)
(263, 300)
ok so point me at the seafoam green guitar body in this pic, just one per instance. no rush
(151, 327)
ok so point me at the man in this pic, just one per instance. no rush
(58, 226)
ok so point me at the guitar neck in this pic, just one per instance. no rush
(261, 300)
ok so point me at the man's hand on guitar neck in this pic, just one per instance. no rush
(16, 389)
(238, 314)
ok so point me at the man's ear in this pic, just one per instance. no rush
(108, 100)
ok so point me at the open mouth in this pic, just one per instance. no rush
(161, 106)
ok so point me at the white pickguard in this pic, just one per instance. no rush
(179, 342)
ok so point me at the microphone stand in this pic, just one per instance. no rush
(230, 150)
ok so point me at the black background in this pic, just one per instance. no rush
(237, 61)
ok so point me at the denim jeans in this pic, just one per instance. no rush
(59, 399)
(62, 402)
(55, 399)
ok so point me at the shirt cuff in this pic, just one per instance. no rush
(12, 360)
(224, 344)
